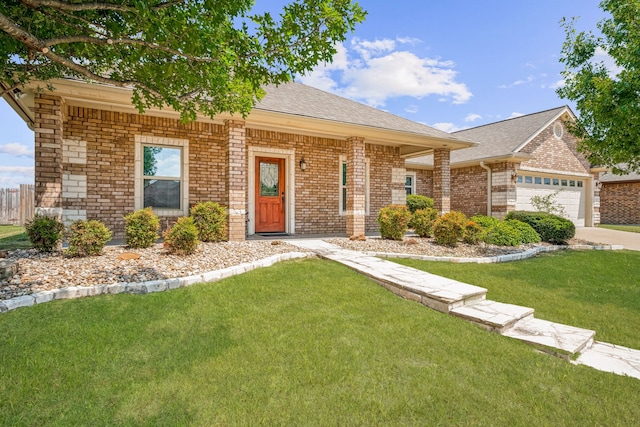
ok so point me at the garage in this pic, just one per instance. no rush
(570, 194)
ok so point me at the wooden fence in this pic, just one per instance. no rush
(17, 204)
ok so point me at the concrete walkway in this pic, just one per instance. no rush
(611, 237)
(469, 302)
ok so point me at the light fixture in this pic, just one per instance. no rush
(514, 176)
(303, 164)
(598, 185)
(18, 94)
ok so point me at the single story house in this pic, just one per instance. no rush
(620, 198)
(515, 160)
(302, 162)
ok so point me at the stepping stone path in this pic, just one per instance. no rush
(469, 302)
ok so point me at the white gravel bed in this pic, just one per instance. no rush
(39, 272)
(425, 246)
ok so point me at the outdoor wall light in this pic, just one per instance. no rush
(514, 176)
(303, 164)
(598, 185)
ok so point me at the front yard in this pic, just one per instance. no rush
(302, 343)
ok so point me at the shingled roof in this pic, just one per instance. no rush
(305, 101)
(499, 139)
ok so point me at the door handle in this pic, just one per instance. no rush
(283, 199)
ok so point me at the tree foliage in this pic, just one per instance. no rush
(208, 56)
(608, 101)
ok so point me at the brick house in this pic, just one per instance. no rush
(516, 159)
(303, 162)
(620, 198)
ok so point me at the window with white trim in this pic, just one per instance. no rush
(343, 185)
(161, 173)
(410, 183)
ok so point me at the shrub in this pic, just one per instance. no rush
(422, 221)
(45, 232)
(182, 238)
(485, 221)
(473, 232)
(551, 228)
(416, 201)
(394, 221)
(449, 228)
(211, 221)
(502, 234)
(87, 238)
(527, 233)
(141, 228)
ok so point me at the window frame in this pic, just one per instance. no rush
(142, 141)
(412, 188)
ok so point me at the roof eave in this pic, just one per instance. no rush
(511, 158)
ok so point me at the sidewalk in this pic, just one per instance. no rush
(611, 237)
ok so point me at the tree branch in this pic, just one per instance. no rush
(94, 5)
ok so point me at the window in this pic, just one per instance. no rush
(558, 130)
(519, 179)
(580, 184)
(528, 179)
(410, 183)
(547, 181)
(556, 181)
(564, 182)
(572, 183)
(161, 175)
(343, 185)
(537, 180)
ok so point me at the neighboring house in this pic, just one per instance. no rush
(303, 162)
(516, 159)
(620, 198)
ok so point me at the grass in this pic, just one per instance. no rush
(301, 343)
(597, 290)
(13, 237)
(629, 228)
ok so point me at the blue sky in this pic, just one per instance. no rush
(450, 64)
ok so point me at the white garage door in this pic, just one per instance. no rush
(571, 195)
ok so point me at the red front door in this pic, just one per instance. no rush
(270, 195)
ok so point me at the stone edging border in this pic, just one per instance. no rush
(145, 287)
(529, 253)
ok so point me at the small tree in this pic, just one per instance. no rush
(394, 221)
(141, 228)
(45, 232)
(548, 204)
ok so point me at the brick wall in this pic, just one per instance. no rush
(620, 203)
(48, 128)
(98, 160)
(469, 190)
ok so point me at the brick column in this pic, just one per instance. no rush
(48, 126)
(592, 186)
(356, 191)
(441, 180)
(236, 183)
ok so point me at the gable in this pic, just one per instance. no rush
(552, 153)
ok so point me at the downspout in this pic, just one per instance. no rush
(489, 185)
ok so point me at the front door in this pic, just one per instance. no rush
(270, 195)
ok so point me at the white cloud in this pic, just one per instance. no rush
(375, 71)
(601, 56)
(411, 109)
(16, 149)
(516, 114)
(472, 117)
(446, 127)
(13, 176)
(529, 79)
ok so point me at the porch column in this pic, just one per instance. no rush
(356, 192)
(48, 126)
(441, 180)
(236, 179)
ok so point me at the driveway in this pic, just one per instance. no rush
(609, 237)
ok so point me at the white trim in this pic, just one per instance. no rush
(289, 186)
(535, 134)
(156, 141)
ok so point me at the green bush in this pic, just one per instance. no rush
(182, 238)
(394, 221)
(211, 221)
(45, 232)
(449, 228)
(473, 232)
(527, 233)
(551, 228)
(502, 234)
(87, 238)
(422, 221)
(416, 201)
(141, 228)
(485, 221)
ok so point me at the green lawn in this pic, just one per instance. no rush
(301, 343)
(597, 290)
(13, 237)
(630, 228)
